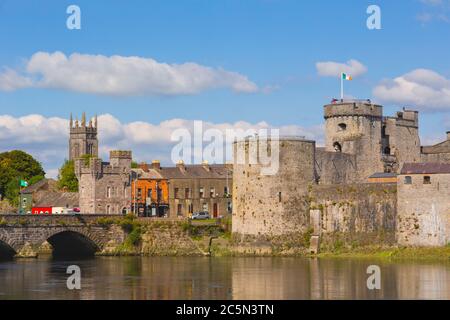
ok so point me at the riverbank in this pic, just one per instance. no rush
(395, 253)
(150, 237)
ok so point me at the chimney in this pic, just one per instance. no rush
(448, 135)
(144, 166)
(156, 164)
(180, 165)
(205, 165)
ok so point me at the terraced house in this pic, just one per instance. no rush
(180, 191)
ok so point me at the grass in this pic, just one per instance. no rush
(399, 253)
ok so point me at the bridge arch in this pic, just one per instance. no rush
(7, 250)
(73, 243)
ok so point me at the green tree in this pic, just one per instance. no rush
(67, 178)
(17, 165)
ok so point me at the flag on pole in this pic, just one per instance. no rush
(346, 77)
(23, 183)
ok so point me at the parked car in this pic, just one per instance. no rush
(203, 215)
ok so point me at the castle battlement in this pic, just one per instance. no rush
(353, 108)
(75, 130)
(121, 154)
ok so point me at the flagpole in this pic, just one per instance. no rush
(342, 87)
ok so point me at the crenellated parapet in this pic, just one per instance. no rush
(353, 109)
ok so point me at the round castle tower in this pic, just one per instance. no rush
(355, 127)
(274, 204)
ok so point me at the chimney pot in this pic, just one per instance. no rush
(156, 164)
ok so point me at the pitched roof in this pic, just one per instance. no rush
(425, 168)
(383, 175)
(214, 171)
(57, 199)
(42, 184)
(150, 174)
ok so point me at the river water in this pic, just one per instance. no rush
(222, 278)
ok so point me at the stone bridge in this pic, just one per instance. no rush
(69, 235)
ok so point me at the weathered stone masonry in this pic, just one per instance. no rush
(324, 191)
(23, 235)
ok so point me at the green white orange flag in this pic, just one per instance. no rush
(346, 77)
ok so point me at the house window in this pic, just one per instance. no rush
(408, 180)
(202, 192)
(205, 207)
(108, 192)
(229, 207)
(187, 193)
(191, 208)
(139, 193)
(212, 193)
(279, 196)
(149, 193)
(342, 127)
(426, 180)
(180, 209)
(175, 192)
(225, 191)
(158, 194)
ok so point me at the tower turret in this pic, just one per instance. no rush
(354, 127)
(83, 139)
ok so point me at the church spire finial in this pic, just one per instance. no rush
(71, 121)
(83, 119)
(95, 121)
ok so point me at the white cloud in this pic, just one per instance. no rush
(121, 76)
(334, 69)
(424, 89)
(47, 138)
(10, 80)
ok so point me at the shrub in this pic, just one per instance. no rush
(105, 222)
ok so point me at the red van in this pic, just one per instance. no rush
(41, 210)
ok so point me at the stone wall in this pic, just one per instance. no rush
(167, 239)
(272, 205)
(335, 167)
(362, 213)
(424, 210)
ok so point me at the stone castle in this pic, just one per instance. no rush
(104, 187)
(326, 191)
(323, 191)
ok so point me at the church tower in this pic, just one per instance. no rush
(83, 137)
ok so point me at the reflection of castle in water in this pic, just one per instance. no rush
(331, 279)
(154, 278)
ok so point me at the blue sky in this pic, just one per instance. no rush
(275, 44)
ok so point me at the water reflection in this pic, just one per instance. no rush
(222, 278)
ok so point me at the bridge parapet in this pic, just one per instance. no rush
(60, 219)
(24, 234)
